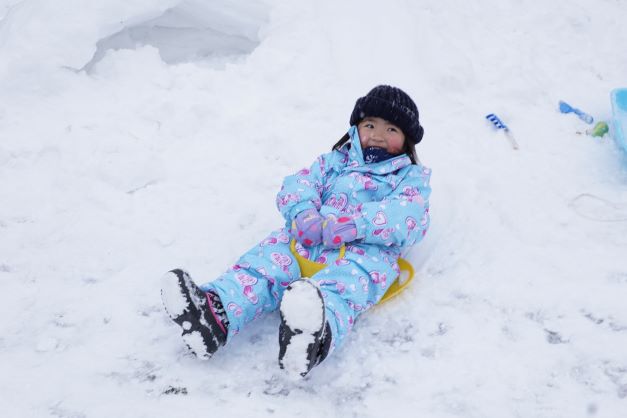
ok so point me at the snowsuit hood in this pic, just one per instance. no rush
(356, 157)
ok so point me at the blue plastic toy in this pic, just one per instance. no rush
(619, 116)
(498, 124)
(566, 108)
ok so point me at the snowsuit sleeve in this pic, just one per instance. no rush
(302, 190)
(402, 218)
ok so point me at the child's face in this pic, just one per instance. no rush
(378, 132)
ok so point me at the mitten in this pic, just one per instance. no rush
(336, 231)
(307, 227)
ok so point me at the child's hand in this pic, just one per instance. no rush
(307, 227)
(336, 231)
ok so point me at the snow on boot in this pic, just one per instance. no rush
(304, 334)
(189, 307)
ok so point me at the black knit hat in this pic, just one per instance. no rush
(393, 105)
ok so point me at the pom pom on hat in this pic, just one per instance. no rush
(393, 105)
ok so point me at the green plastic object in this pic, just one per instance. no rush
(599, 129)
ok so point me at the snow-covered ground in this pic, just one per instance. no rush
(141, 135)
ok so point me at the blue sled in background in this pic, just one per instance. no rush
(619, 116)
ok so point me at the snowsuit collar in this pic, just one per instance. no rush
(356, 157)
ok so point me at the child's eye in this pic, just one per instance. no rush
(369, 125)
(392, 129)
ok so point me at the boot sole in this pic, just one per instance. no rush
(182, 299)
(302, 322)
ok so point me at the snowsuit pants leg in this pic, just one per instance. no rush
(255, 284)
(349, 286)
(352, 285)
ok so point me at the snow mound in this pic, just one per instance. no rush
(112, 178)
(191, 31)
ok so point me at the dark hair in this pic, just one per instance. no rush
(409, 148)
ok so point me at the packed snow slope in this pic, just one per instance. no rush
(138, 136)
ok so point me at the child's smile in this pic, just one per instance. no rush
(378, 132)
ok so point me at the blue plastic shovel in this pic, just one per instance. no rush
(499, 125)
(566, 108)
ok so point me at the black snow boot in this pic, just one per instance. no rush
(304, 334)
(204, 325)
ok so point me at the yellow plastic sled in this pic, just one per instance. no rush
(308, 268)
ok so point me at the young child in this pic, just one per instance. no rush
(370, 193)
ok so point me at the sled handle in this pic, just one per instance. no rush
(308, 267)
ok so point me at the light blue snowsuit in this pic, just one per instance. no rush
(389, 201)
